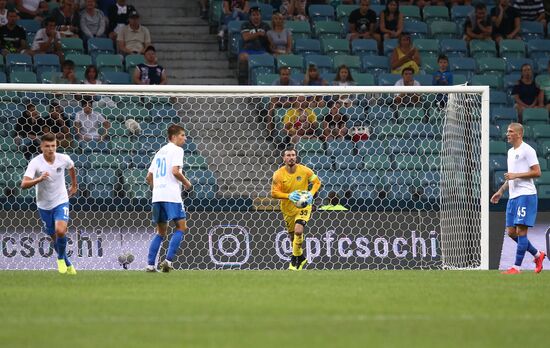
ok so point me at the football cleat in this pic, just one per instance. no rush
(301, 262)
(71, 270)
(538, 262)
(292, 264)
(511, 270)
(61, 266)
(150, 269)
(166, 266)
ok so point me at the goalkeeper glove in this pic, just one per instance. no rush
(309, 198)
(294, 196)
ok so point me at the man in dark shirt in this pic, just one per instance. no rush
(506, 21)
(478, 25)
(13, 38)
(362, 23)
(28, 130)
(254, 33)
(526, 93)
(150, 73)
(118, 15)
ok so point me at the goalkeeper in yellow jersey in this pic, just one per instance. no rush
(287, 183)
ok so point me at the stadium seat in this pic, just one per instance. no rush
(509, 81)
(260, 64)
(409, 162)
(100, 46)
(364, 79)
(498, 99)
(337, 148)
(348, 162)
(385, 79)
(352, 62)
(459, 79)
(503, 116)
(364, 47)
(531, 30)
(512, 49)
(99, 160)
(429, 66)
(411, 12)
(18, 62)
(417, 30)
(72, 45)
(494, 132)
(435, 13)
(370, 147)
(538, 49)
(443, 30)
(81, 61)
(234, 38)
(492, 81)
(483, 48)
(265, 9)
(513, 65)
(429, 147)
(310, 146)
(453, 48)
(535, 117)
(46, 62)
(318, 162)
(343, 11)
(115, 77)
(388, 46)
(491, 65)
(375, 64)
(23, 77)
(545, 148)
(328, 30)
(543, 191)
(544, 165)
(459, 13)
(321, 13)
(333, 47)
(307, 46)
(423, 130)
(324, 63)
(498, 148)
(299, 29)
(109, 62)
(266, 79)
(295, 62)
(465, 66)
(29, 25)
(377, 162)
(132, 60)
(544, 179)
(497, 162)
(542, 132)
(424, 79)
(427, 46)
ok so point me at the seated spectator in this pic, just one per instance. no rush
(254, 33)
(47, 39)
(3, 13)
(28, 130)
(88, 123)
(391, 20)
(67, 73)
(300, 121)
(233, 10)
(91, 76)
(343, 77)
(280, 39)
(405, 55)
(313, 78)
(442, 77)
(362, 23)
(531, 10)
(13, 38)
(67, 19)
(407, 79)
(478, 25)
(279, 102)
(134, 37)
(284, 78)
(526, 93)
(150, 73)
(334, 124)
(31, 9)
(118, 16)
(58, 124)
(294, 10)
(506, 21)
(92, 21)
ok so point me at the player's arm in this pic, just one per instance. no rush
(276, 189)
(316, 184)
(74, 186)
(534, 172)
(496, 197)
(28, 182)
(178, 175)
(149, 179)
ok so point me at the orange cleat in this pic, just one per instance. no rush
(511, 270)
(538, 262)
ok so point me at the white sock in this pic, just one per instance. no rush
(537, 254)
(220, 33)
(517, 267)
(150, 267)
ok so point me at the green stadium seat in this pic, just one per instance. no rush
(115, 77)
(80, 60)
(294, 61)
(131, 61)
(328, 30)
(317, 162)
(333, 47)
(429, 65)
(266, 79)
(427, 46)
(541, 132)
(417, 30)
(453, 48)
(535, 117)
(435, 13)
(498, 148)
(377, 162)
(429, 146)
(364, 47)
(195, 162)
(492, 81)
(320, 12)
(10, 159)
(410, 12)
(544, 165)
(299, 29)
(109, 62)
(483, 48)
(409, 162)
(444, 30)
(310, 146)
(491, 65)
(72, 45)
(23, 77)
(352, 62)
(104, 161)
(343, 11)
(362, 79)
(544, 179)
(411, 114)
(307, 46)
(543, 191)
(512, 48)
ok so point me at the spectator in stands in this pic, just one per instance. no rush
(506, 21)
(280, 39)
(47, 39)
(313, 78)
(531, 10)
(300, 121)
(478, 25)
(254, 33)
(526, 93)
(91, 76)
(294, 10)
(391, 20)
(150, 73)
(28, 130)
(279, 102)
(3, 13)
(118, 16)
(442, 77)
(334, 124)
(29, 9)
(362, 23)
(88, 123)
(405, 55)
(58, 124)
(284, 78)
(343, 77)
(134, 37)
(407, 79)
(13, 38)
(67, 73)
(92, 21)
(66, 19)
(232, 10)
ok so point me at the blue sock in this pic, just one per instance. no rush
(67, 261)
(154, 249)
(523, 243)
(61, 243)
(174, 245)
(530, 248)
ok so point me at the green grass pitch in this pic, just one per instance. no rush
(274, 309)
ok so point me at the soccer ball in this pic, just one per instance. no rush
(303, 201)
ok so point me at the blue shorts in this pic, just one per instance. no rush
(252, 52)
(521, 210)
(49, 217)
(168, 211)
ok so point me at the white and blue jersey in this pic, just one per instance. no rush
(522, 205)
(167, 201)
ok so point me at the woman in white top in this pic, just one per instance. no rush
(91, 76)
(280, 38)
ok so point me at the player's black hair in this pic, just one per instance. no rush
(173, 130)
(289, 148)
(48, 137)
(442, 57)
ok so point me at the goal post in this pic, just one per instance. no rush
(410, 166)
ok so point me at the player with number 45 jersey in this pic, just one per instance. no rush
(47, 173)
(166, 178)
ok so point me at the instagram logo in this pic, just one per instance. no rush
(229, 245)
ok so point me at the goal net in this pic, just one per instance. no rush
(409, 168)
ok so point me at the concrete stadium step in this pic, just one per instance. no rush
(196, 64)
(187, 46)
(206, 73)
(185, 56)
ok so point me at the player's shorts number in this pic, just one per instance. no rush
(521, 212)
(303, 212)
(161, 167)
(66, 212)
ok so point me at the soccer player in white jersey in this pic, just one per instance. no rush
(521, 210)
(47, 173)
(166, 178)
